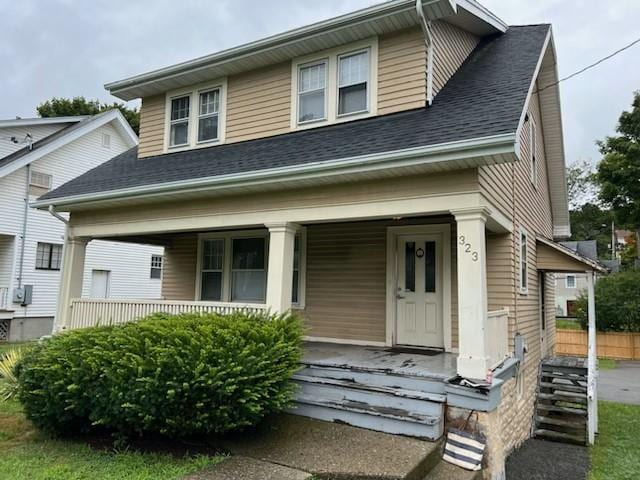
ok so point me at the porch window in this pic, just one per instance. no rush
(208, 115)
(179, 131)
(312, 81)
(248, 271)
(353, 81)
(524, 269)
(212, 269)
(156, 266)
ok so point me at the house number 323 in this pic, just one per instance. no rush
(467, 248)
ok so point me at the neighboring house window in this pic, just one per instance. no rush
(156, 266)
(39, 183)
(233, 267)
(570, 281)
(533, 148)
(106, 140)
(179, 132)
(334, 85)
(353, 78)
(312, 80)
(48, 256)
(209, 109)
(524, 269)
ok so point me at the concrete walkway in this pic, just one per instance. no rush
(620, 384)
(243, 468)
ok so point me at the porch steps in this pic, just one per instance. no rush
(386, 402)
(561, 405)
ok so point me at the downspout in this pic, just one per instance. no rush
(52, 210)
(428, 41)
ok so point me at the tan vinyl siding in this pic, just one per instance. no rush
(551, 260)
(259, 103)
(151, 126)
(402, 64)
(179, 269)
(452, 46)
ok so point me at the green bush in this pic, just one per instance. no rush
(617, 303)
(173, 375)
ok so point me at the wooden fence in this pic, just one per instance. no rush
(619, 346)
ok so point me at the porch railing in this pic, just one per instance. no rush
(4, 298)
(89, 312)
(498, 336)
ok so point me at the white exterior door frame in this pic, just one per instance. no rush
(442, 230)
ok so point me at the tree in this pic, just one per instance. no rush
(581, 187)
(63, 107)
(618, 173)
(590, 222)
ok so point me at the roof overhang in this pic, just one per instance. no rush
(433, 158)
(554, 257)
(376, 20)
(25, 122)
(90, 123)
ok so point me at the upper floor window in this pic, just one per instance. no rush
(353, 78)
(533, 163)
(179, 134)
(48, 256)
(335, 85)
(39, 183)
(195, 116)
(570, 281)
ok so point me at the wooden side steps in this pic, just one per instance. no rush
(561, 404)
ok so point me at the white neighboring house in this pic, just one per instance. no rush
(37, 155)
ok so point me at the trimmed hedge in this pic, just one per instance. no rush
(617, 298)
(173, 375)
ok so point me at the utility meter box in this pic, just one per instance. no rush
(23, 295)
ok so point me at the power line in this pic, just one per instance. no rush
(590, 66)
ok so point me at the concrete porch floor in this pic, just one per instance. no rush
(380, 359)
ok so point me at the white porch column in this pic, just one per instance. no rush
(473, 359)
(592, 373)
(280, 269)
(71, 277)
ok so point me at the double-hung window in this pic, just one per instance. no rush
(208, 112)
(156, 267)
(212, 269)
(179, 130)
(524, 268)
(353, 81)
(48, 256)
(248, 270)
(312, 82)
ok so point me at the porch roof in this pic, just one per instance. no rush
(481, 105)
(554, 257)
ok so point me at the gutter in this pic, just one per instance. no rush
(493, 145)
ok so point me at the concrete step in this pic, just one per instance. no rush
(579, 439)
(447, 471)
(382, 419)
(376, 397)
(375, 378)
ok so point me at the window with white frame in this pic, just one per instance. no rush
(48, 256)
(208, 112)
(179, 126)
(533, 162)
(570, 281)
(334, 85)
(312, 82)
(353, 80)
(233, 267)
(40, 180)
(156, 266)
(524, 268)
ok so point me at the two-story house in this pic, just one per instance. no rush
(395, 175)
(36, 156)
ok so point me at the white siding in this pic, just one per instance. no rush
(38, 132)
(65, 164)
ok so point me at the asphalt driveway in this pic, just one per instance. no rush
(620, 384)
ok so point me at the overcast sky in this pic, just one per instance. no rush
(72, 47)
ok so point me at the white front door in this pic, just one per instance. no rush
(419, 315)
(100, 283)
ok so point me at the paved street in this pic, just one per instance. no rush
(621, 384)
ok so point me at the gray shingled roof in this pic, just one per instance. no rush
(485, 97)
(586, 248)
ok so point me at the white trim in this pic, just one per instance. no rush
(22, 122)
(523, 290)
(576, 256)
(97, 121)
(343, 341)
(561, 231)
(193, 93)
(533, 146)
(442, 229)
(331, 58)
(498, 145)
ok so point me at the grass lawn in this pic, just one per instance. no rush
(616, 454)
(568, 324)
(27, 454)
(607, 364)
